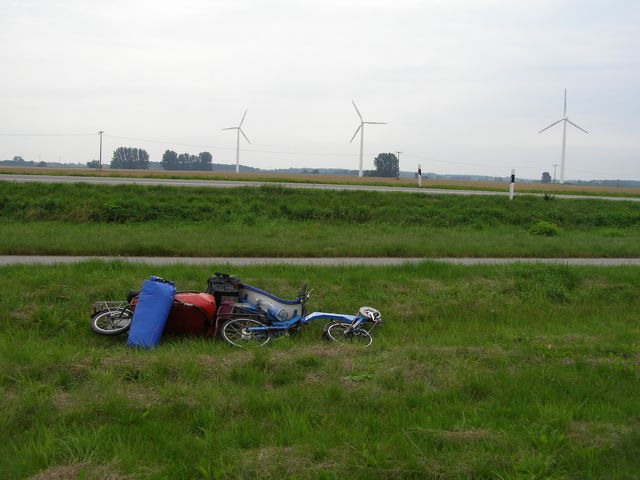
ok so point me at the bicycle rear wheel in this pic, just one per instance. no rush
(111, 322)
(236, 333)
(345, 334)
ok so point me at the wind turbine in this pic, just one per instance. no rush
(565, 120)
(361, 130)
(239, 129)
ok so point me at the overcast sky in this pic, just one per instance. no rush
(464, 84)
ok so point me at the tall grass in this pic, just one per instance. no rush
(81, 203)
(307, 239)
(273, 221)
(477, 372)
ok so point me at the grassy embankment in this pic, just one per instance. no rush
(512, 372)
(337, 179)
(82, 219)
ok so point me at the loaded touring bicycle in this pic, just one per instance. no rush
(242, 315)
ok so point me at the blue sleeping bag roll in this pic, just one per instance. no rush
(151, 313)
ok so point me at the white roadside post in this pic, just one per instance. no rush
(512, 185)
(419, 175)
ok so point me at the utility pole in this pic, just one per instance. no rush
(100, 160)
(554, 172)
(398, 157)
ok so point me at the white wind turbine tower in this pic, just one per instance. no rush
(565, 120)
(361, 130)
(239, 129)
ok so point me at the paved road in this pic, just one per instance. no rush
(240, 261)
(230, 184)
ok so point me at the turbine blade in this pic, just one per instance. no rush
(579, 128)
(245, 114)
(357, 111)
(554, 123)
(354, 135)
(245, 137)
(230, 128)
(565, 102)
(377, 123)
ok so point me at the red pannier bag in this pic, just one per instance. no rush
(191, 314)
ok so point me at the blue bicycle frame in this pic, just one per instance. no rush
(248, 306)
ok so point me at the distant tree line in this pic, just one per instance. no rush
(138, 158)
(18, 161)
(184, 161)
(130, 158)
(387, 165)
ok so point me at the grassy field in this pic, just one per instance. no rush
(82, 219)
(305, 239)
(337, 179)
(509, 372)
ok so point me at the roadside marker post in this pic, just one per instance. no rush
(512, 185)
(419, 175)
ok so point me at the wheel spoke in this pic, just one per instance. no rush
(344, 333)
(111, 322)
(236, 333)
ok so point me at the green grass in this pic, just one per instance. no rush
(308, 239)
(501, 372)
(84, 203)
(87, 219)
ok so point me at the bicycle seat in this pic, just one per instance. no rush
(131, 294)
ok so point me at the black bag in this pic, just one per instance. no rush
(223, 287)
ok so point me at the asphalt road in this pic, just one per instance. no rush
(241, 261)
(230, 184)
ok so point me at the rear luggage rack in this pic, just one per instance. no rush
(109, 305)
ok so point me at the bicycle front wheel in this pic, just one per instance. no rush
(236, 332)
(111, 322)
(344, 333)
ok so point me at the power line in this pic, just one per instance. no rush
(214, 147)
(179, 144)
(165, 142)
(469, 164)
(275, 152)
(587, 171)
(303, 153)
(46, 134)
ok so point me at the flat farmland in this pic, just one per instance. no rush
(337, 179)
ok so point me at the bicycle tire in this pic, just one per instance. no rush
(234, 333)
(111, 322)
(344, 334)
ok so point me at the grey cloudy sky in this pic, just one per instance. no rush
(465, 85)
